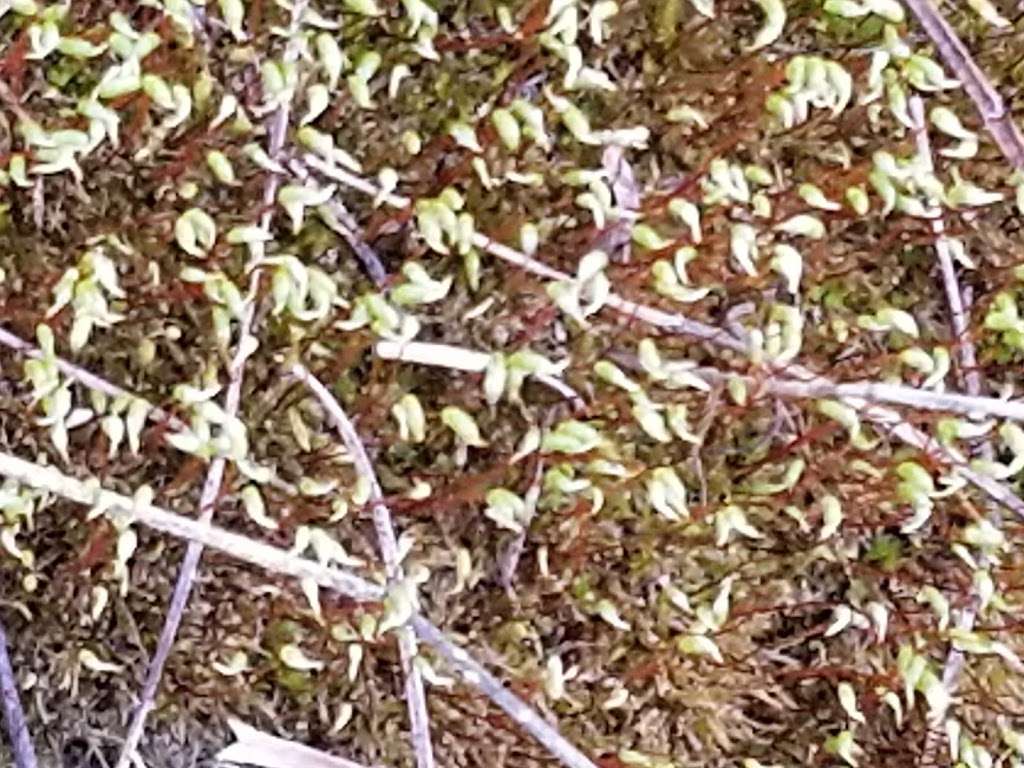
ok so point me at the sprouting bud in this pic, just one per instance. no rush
(857, 197)
(612, 374)
(364, 7)
(814, 197)
(331, 58)
(991, 14)
(508, 128)
(195, 232)
(463, 425)
(924, 73)
(667, 494)
(647, 237)
(495, 378)
(889, 319)
(689, 214)
(699, 645)
(831, 517)
(846, 415)
(506, 509)
(610, 614)
(743, 247)
(946, 121)
(788, 263)
(233, 12)
(221, 167)
(774, 21)
(965, 194)
(650, 418)
(293, 657)
(847, 9)
(803, 225)
(733, 518)
(848, 701)
(464, 136)
(571, 437)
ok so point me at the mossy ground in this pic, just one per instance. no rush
(773, 698)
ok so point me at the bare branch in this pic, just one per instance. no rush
(885, 418)
(954, 296)
(240, 547)
(803, 384)
(461, 359)
(344, 223)
(14, 716)
(72, 371)
(650, 315)
(812, 383)
(419, 720)
(971, 381)
(512, 705)
(277, 131)
(986, 98)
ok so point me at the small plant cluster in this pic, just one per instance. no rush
(664, 356)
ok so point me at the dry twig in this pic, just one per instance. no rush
(970, 380)
(986, 98)
(72, 371)
(344, 224)
(211, 487)
(419, 720)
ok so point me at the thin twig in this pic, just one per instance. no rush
(415, 697)
(650, 315)
(986, 98)
(971, 381)
(462, 359)
(277, 131)
(508, 563)
(861, 395)
(14, 716)
(475, 674)
(281, 561)
(801, 384)
(886, 418)
(92, 381)
(237, 546)
(954, 297)
(81, 375)
(814, 386)
(337, 217)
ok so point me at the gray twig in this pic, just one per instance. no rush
(475, 674)
(17, 728)
(954, 296)
(986, 98)
(508, 563)
(419, 720)
(72, 371)
(337, 217)
(971, 381)
(277, 131)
